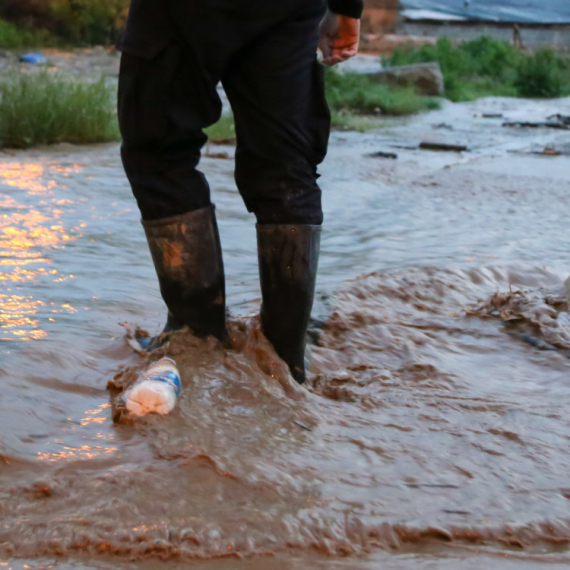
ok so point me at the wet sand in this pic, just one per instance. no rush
(433, 432)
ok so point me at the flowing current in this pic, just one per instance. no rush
(434, 430)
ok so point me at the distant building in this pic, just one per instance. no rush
(380, 15)
(534, 12)
(535, 23)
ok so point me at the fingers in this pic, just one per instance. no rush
(337, 56)
(330, 61)
(327, 48)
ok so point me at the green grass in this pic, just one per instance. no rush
(87, 22)
(486, 66)
(546, 74)
(350, 121)
(222, 131)
(358, 93)
(43, 108)
(77, 22)
(12, 37)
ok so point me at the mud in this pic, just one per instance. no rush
(433, 431)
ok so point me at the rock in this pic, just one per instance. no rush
(427, 78)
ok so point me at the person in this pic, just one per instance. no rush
(174, 54)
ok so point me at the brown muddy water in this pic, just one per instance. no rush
(434, 432)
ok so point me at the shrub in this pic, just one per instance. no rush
(12, 37)
(76, 21)
(42, 108)
(490, 67)
(540, 76)
(89, 21)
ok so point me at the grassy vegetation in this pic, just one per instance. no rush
(223, 131)
(357, 103)
(13, 37)
(357, 93)
(485, 66)
(346, 120)
(79, 22)
(43, 108)
(545, 74)
(46, 108)
(88, 21)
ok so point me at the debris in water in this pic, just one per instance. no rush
(156, 390)
(552, 122)
(221, 155)
(549, 151)
(445, 126)
(382, 154)
(302, 426)
(534, 341)
(427, 145)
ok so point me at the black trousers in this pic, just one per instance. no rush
(264, 53)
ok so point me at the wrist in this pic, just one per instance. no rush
(346, 8)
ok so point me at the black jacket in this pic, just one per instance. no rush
(350, 8)
(150, 29)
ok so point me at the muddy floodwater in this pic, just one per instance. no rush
(434, 432)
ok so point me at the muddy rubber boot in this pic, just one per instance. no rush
(187, 257)
(288, 259)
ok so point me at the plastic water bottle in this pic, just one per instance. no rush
(156, 390)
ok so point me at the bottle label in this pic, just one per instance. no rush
(168, 377)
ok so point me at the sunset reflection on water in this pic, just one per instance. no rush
(95, 418)
(26, 176)
(31, 227)
(82, 452)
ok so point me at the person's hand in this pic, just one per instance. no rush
(340, 36)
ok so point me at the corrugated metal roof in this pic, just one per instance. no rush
(520, 11)
(431, 15)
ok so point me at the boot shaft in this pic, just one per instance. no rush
(288, 261)
(187, 257)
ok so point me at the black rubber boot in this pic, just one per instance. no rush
(187, 257)
(288, 260)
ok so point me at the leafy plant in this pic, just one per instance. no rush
(13, 37)
(89, 21)
(541, 75)
(486, 66)
(81, 22)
